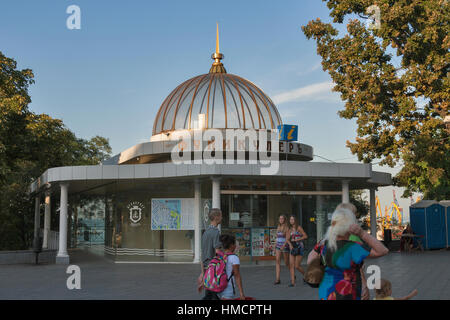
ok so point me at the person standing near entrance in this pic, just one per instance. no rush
(295, 242)
(210, 245)
(282, 247)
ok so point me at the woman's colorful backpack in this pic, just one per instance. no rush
(215, 278)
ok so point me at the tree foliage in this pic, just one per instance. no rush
(359, 200)
(395, 82)
(30, 144)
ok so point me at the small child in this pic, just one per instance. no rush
(233, 273)
(385, 291)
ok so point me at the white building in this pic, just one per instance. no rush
(142, 206)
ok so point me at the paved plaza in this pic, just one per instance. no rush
(429, 272)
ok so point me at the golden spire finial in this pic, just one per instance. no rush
(217, 66)
(217, 39)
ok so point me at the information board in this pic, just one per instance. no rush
(172, 214)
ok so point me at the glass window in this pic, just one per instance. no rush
(244, 211)
(87, 221)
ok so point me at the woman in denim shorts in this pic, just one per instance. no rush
(295, 242)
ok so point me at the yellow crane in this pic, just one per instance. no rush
(378, 207)
(378, 211)
(389, 214)
(386, 218)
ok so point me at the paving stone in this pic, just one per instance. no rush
(103, 279)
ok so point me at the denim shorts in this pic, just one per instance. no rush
(297, 249)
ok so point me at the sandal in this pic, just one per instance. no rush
(277, 282)
(290, 285)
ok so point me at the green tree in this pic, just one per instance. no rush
(399, 102)
(358, 198)
(14, 100)
(30, 144)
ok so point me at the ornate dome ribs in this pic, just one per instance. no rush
(227, 100)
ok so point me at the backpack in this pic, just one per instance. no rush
(215, 278)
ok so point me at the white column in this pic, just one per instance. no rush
(320, 216)
(216, 192)
(197, 220)
(63, 257)
(216, 195)
(345, 191)
(37, 220)
(47, 214)
(373, 213)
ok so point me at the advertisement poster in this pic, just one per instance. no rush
(172, 214)
(258, 235)
(243, 239)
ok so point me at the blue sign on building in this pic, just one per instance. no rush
(288, 132)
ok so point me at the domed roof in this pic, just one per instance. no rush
(227, 100)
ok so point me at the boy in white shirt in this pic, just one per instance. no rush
(233, 273)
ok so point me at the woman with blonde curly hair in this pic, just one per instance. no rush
(343, 256)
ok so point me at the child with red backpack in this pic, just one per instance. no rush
(223, 276)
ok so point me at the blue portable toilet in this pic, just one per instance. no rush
(446, 205)
(427, 219)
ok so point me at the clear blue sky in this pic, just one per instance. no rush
(110, 77)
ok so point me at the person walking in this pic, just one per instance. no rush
(210, 245)
(234, 287)
(281, 247)
(343, 257)
(362, 292)
(295, 242)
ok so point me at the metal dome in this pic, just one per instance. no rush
(228, 101)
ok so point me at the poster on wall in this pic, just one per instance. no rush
(187, 214)
(258, 235)
(243, 239)
(172, 214)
